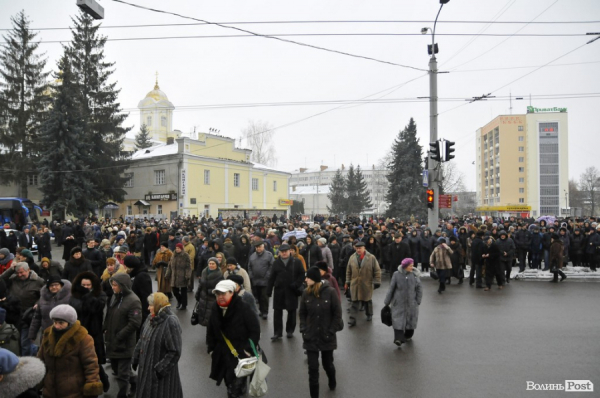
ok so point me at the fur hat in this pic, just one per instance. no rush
(131, 261)
(314, 273)
(64, 312)
(322, 241)
(322, 265)
(238, 279)
(104, 242)
(4, 251)
(54, 279)
(74, 250)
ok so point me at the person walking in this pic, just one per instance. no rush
(493, 268)
(179, 272)
(556, 258)
(440, 260)
(320, 320)
(20, 376)
(507, 251)
(156, 355)
(477, 247)
(404, 296)
(259, 270)
(76, 265)
(161, 263)
(211, 276)
(285, 281)
(68, 352)
(363, 275)
(54, 293)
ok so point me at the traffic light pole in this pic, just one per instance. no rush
(433, 214)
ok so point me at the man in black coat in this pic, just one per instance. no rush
(399, 250)
(95, 257)
(141, 283)
(25, 239)
(522, 240)
(477, 249)
(286, 280)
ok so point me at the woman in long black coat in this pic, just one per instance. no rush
(211, 275)
(243, 252)
(426, 243)
(491, 254)
(89, 300)
(320, 319)
(232, 318)
(311, 252)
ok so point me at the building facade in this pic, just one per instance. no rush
(522, 164)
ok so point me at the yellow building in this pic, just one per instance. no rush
(522, 164)
(201, 174)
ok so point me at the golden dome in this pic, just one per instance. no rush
(157, 94)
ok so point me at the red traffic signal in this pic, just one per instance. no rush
(430, 198)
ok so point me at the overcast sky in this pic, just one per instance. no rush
(197, 73)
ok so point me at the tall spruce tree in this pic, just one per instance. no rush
(358, 194)
(100, 110)
(406, 193)
(142, 139)
(337, 194)
(65, 179)
(23, 102)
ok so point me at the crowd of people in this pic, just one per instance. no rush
(102, 307)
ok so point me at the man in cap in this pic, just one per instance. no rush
(259, 270)
(285, 282)
(363, 275)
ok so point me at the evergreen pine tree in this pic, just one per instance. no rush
(102, 113)
(65, 183)
(142, 139)
(22, 102)
(337, 194)
(406, 194)
(358, 194)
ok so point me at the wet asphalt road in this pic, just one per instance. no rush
(468, 343)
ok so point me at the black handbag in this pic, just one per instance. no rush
(433, 274)
(195, 316)
(386, 315)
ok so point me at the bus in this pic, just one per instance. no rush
(19, 211)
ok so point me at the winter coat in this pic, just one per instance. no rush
(398, 252)
(72, 369)
(311, 254)
(157, 353)
(73, 267)
(284, 282)
(190, 250)
(123, 319)
(24, 380)
(425, 246)
(493, 260)
(404, 296)
(229, 249)
(522, 239)
(90, 310)
(536, 242)
(576, 247)
(320, 319)
(477, 251)
(68, 245)
(141, 285)
(179, 271)
(241, 272)
(54, 269)
(327, 256)
(96, 259)
(27, 291)
(565, 240)
(239, 324)
(242, 253)
(440, 258)
(332, 281)
(556, 254)
(259, 268)
(161, 263)
(150, 241)
(12, 306)
(415, 249)
(361, 277)
(205, 297)
(506, 245)
(335, 254)
(593, 244)
(47, 302)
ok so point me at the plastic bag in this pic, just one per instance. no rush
(258, 385)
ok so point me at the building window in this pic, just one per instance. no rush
(521, 159)
(159, 177)
(521, 200)
(520, 129)
(129, 182)
(129, 210)
(192, 201)
(255, 184)
(521, 138)
(275, 186)
(206, 177)
(163, 121)
(521, 179)
(521, 149)
(521, 169)
(32, 179)
(236, 179)
(521, 190)
(158, 209)
(149, 121)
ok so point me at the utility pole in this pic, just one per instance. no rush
(433, 213)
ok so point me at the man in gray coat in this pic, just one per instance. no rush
(259, 270)
(363, 275)
(123, 319)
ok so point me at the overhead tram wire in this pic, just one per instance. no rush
(319, 22)
(269, 37)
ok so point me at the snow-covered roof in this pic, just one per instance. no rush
(264, 167)
(310, 190)
(159, 150)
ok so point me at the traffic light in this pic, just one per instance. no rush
(430, 198)
(434, 151)
(448, 152)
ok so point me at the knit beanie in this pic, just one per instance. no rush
(4, 251)
(237, 279)
(179, 245)
(165, 244)
(27, 253)
(64, 312)
(54, 279)
(232, 260)
(314, 273)
(8, 362)
(216, 260)
(322, 265)
(406, 262)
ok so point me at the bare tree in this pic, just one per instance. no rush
(589, 185)
(576, 199)
(452, 179)
(259, 137)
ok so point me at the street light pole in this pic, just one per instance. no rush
(434, 183)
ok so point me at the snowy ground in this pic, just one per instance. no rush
(578, 273)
